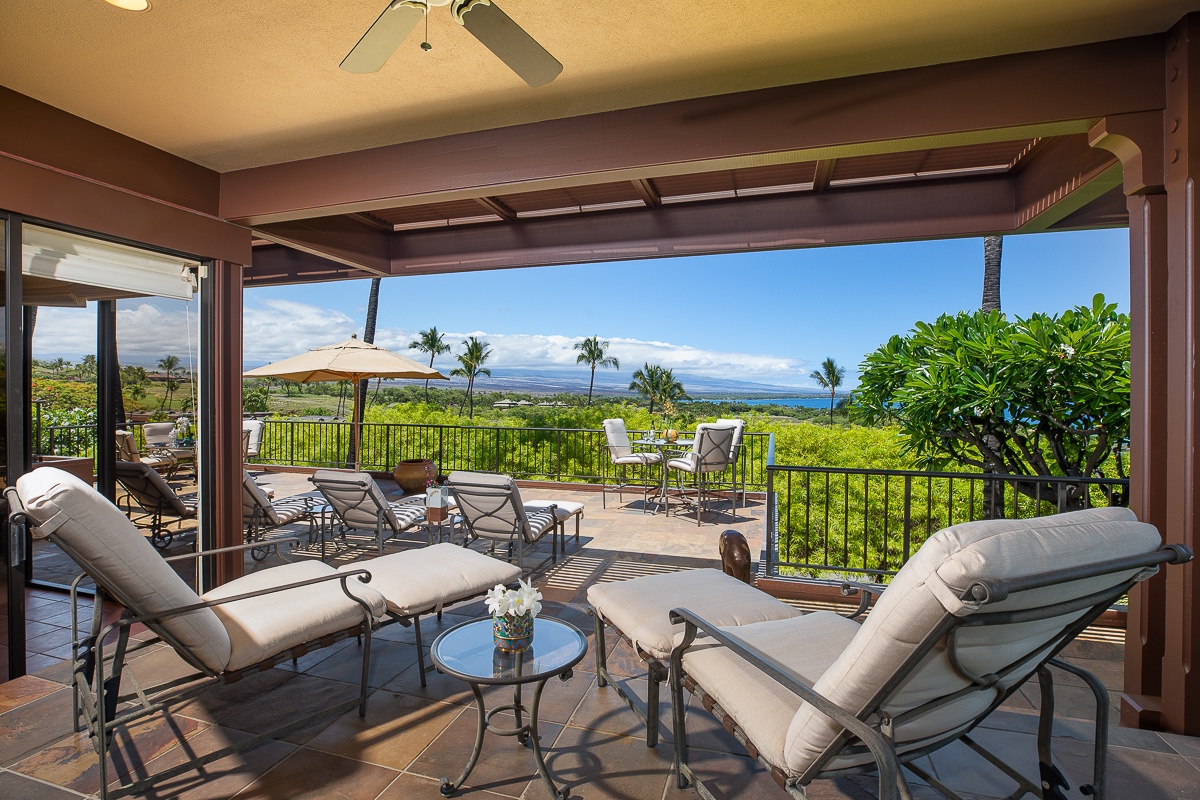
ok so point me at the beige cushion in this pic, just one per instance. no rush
(640, 607)
(563, 509)
(108, 547)
(255, 497)
(417, 581)
(638, 459)
(359, 502)
(762, 707)
(265, 626)
(617, 438)
(929, 587)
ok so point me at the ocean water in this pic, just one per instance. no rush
(801, 402)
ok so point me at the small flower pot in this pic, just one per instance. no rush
(512, 634)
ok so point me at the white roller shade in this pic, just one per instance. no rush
(67, 257)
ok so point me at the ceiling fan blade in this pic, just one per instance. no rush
(508, 41)
(383, 37)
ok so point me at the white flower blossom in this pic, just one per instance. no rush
(514, 602)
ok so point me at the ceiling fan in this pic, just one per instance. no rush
(482, 19)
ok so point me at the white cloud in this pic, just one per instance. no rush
(276, 329)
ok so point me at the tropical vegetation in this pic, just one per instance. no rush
(470, 366)
(830, 377)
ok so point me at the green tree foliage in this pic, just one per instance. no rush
(646, 382)
(594, 353)
(433, 343)
(1046, 395)
(471, 362)
(829, 377)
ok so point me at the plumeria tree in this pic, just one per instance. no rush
(1044, 395)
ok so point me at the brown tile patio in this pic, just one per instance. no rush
(414, 737)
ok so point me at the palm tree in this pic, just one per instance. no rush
(360, 391)
(431, 342)
(992, 247)
(168, 365)
(829, 377)
(471, 361)
(646, 382)
(593, 352)
(670, 390)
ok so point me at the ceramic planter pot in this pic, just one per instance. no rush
(512, 634)
(414, 474)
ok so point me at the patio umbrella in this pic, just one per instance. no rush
(351, 360)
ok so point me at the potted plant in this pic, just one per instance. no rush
(513, 611)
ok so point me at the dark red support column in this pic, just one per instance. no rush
(1137, 140)
(1181, 648)
(221, 417)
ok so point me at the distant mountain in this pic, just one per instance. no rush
(610, 383)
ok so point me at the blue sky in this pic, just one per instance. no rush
(768, 317)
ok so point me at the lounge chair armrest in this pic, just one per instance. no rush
(885, 757)
(230, 549)
(866, 593)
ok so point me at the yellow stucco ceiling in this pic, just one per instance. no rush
(239, 83)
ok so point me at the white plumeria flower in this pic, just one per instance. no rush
(498, 601)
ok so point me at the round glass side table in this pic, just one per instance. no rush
(467, 652)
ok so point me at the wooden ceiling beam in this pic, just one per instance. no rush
(373, 221)
(823, 174)
(1048, 92)
(972, 207)
(646, 190)
(495, 206)
(1061, 178)
(345, 240)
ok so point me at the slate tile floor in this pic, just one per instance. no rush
(412, 737)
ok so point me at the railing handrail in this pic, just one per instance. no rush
(917, 473)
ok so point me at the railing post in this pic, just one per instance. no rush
(768, 532)
(558, 464)
(907, 516)
(497, 450)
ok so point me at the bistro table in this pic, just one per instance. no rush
(468, 652)
(663, 446)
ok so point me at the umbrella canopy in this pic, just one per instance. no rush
(351, 360)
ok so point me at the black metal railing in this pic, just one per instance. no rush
(572, 455)
(827, 523)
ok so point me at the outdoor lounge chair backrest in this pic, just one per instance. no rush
(617, 438)
(115, 554)
(158, 434)
(149, 489)
(490, 504)
(253, 444)
(127, 449)
(355, 498)
(886, 664)
(739, 428)
(255, 499)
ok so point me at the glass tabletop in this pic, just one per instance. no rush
(467, 651)
(664, 442)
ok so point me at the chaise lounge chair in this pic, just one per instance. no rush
(359, 505)
(149, 491)
(159, 458)
(978, 611)
(261, 514)
(491, 508)
(246, 626)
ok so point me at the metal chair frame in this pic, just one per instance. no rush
(713, 446)
(475, 516)
(377, 505)
(159, 502)
(97, 674)
(873, 728)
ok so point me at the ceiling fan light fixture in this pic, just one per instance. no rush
(130, 5)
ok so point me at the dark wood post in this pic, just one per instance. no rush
(220, 417)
